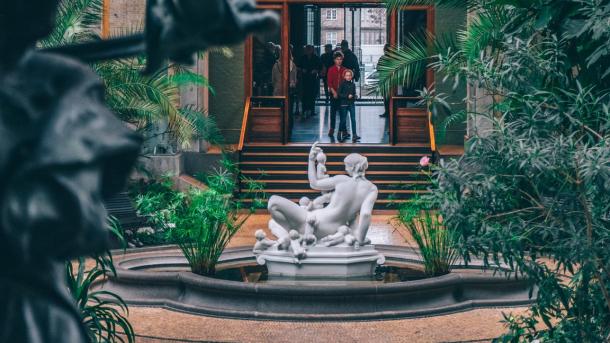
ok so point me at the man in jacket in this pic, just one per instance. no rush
(335, 76)
(350, 61)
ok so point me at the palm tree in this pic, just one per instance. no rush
(144, 102)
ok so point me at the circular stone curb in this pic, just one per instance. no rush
(187, 292)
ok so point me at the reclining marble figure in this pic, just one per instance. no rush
(344, 221)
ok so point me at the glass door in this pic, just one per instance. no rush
(266, 84)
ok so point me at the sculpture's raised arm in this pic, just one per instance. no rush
(326, 184)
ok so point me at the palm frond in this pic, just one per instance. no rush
(484, 32)
(399, 4)
(405, 66)
(76, 20)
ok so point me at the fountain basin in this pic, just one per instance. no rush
(340, 262)
(156, 277)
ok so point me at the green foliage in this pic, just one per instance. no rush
(148, 103)
(201, 222)
(534, 191)
(102, 312)
(76, 20)
(156, 200)
(436, 243)
(209, 218)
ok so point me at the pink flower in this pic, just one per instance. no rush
(424, 161)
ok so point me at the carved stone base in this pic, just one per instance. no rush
(338, 262)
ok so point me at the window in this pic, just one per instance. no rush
(331, 14)
(331, 38)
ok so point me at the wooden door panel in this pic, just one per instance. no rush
(412, 125)
(265, 125)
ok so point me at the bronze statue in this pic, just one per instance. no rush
(62, 151)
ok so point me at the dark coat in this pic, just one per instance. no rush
(347, 88)
(350, 61)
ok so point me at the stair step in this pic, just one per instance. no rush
(337, 148)
(331, 157)
(331, 166)
(313, 191)
(380, 204)
(331, 172)
(282, 169)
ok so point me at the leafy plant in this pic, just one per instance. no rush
(150, 104)
(208, 220)
(156, 200)
(437, 243)
(533, 191)
(102, 312)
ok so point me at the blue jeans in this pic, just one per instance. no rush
(335, 107)
(351, 108)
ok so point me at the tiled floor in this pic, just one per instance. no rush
(372, 128)
(381, 231)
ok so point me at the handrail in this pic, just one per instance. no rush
(244, 125)
(432, 134)
(407, 97)
(272, 97)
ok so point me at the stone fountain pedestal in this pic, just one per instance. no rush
(337, 262)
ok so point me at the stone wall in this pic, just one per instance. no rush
(227, 80)
(126, 16)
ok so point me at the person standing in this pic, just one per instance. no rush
(311, 67)
(327, 61)
(334, 76)
(350, 61)
(386, 99)
(347, 97)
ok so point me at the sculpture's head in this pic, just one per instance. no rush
(294, 235)
(260, 235)
(356, 165)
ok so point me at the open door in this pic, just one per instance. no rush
(267, 67)
(410, 121)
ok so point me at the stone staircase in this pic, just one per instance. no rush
(282, 169)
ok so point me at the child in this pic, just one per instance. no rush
(347, 96)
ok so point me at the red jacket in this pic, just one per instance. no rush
(335, 76)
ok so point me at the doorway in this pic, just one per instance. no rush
(273, 108)
(365, 29)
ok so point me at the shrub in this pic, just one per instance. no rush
(436, 243)
(533, 191)
(102, 312)
(208, 220)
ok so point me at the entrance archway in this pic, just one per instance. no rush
(268, 117)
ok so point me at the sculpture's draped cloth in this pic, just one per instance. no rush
(62, 151)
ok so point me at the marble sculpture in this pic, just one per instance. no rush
(339, 218)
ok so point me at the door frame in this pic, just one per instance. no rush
(283, 7)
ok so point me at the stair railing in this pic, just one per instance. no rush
(432, 134)
(244, 125)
